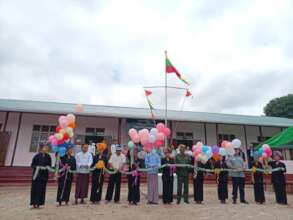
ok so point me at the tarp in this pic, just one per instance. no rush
(283, 139)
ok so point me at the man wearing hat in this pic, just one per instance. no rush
(237, 163)
(116, 162)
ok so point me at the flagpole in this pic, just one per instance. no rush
(166, 102)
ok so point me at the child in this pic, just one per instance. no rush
(168, 177)
(222, 180)
(259, 194)
(38, 189)
(278, 178)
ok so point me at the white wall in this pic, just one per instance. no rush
(196, 128)
(23, 156)
(211, 134)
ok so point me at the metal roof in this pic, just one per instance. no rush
(141, 113)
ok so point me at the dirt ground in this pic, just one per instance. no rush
(14, 204)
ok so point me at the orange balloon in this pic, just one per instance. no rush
(72, 125)
(101, 146)
(217, 157)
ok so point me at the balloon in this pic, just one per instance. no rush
(268, 151)
(222, 152)
(72, 125)
(132, 132)
(159, 143)
(199, 144)
(264, 155)
(62, 151)
(131, 145)
(205, 149)
(58, 128)
(224, 143)
(260, 151)
(167, 132)
(144, 140)
(161, 136)
(101, 146)
(55, 149)
(79, 108)
(154, 131)
(236, 143)
(215, 149)
(147, 149)
(209, 153)
(261, 159)
(65, 136)
(59, 136)
(62, 131)
(160, 127)
(266, 146)
(152, 138)
(135, 139)
(216, 157)
(197, 151)
(143, 133)
(230, 150)
(70, 118)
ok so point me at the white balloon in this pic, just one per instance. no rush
(236, 143)
(152, 138)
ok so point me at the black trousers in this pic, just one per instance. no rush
(238, 183)
(64, 188)
(168, 189)
(280, 192)
(133, 189)
(223, 190)
(259, 194)
(97, 185)
(38, 192)
(198, 189)
(114, 182)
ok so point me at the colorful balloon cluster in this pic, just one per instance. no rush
(264, 152)
(61, 140)
(149, 139)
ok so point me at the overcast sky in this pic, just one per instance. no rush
(237, 55)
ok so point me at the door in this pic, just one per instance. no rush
(4, 143)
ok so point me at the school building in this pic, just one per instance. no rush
(24, 124)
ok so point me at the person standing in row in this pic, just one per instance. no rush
(134, 178)
(257, 179)
(182, 174)
(84, 161)
(279, 178)
(116, 162)
(153, 162)
(67, 162)
(222, 180)
(99, 163)
(39, 184)
(168, 177)
(198, 180)
(236, 162)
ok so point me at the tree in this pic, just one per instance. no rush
(280, 107)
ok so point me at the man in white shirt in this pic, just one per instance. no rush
(116, 162)
(84, 160)
(92, 148)
(113, 146)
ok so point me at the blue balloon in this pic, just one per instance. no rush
(205, 149)
(55, 149)
(260, 151)
(62, 151)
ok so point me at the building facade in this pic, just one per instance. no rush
(24, 124)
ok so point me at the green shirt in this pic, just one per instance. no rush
(182, 159)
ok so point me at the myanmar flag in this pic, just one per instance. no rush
(171, 69)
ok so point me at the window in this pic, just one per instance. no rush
(40, 134)
(226, 137)
(95, 131)
(184, 135)
(291, 154)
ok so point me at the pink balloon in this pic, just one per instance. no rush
(160, 136)
(268, 151)
(167, 132)
(261, 159)
(224, 143)
(147, 148)
(159, 143)
(63, 121)
(79, 108)
(135, 139)
(197, 150)
(143, 133)
(144, 141)
(160, 127)
(132, 132)
(265, 146)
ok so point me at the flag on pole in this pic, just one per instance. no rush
(188, 93)
(147, 92)
(171, 69)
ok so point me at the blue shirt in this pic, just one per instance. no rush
(152, 160)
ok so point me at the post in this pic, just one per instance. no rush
(166, 102)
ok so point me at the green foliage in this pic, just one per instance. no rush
(280, 107)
